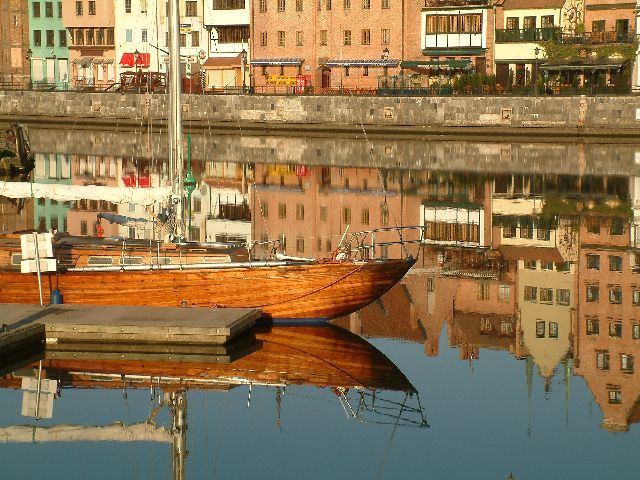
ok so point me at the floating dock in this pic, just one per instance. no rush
(54, 324)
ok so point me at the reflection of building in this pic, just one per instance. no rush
(608, 326)
(51, 214)
(91, 170)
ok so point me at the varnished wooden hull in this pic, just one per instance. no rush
(322, 290)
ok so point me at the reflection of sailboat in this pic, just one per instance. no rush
(287, 356)
(282, 288)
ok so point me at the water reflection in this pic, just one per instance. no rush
(347, 370)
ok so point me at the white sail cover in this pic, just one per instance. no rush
(65, 193)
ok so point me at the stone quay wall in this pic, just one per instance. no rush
(615, 116)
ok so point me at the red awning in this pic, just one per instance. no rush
(135, 60)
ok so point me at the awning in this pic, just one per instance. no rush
(131, 60)
(363, 63)
(223, 61)
(545, 254)
(83, 61)
(277, 61)
(584, 64)
(438, 64)
(102, 61)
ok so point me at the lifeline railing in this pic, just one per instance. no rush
(365, 244)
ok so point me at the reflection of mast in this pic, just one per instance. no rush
(178, 406)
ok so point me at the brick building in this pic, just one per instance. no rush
(14, 41)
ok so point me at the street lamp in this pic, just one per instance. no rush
(536, 52)
(244, 65)
(28, 57)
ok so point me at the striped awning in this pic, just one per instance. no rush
(277, 61)
(363, 63)
(83, 61)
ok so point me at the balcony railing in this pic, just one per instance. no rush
(597, 38)
(555, 34)
(529, 35)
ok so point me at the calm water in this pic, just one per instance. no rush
(518, 328)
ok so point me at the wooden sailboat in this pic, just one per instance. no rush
(125, 272)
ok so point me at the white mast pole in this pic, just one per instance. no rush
(175, 119)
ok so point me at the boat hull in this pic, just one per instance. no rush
(306, 292)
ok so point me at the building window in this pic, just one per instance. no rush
(83, 227)
(346, 37)
(263, 39)
(615, 263)
(385, 36)
(546, 295)
(195, 38)
(529, 23)
(593, 262)
(602, 360)
(299, 5)
(347, 4)
(128, 35)
(635, 331)
(563, 267)
(346, 215)
(183, 39)
(546, 21)
(365, 71)
(504, 293)
(546, 265)
(593, 326)
(366, 36)
(593, 226)
(323, 214)
(92, 7)
(300, 245)
(143, 6)
(384, 215)
(593, 293)
(233, 34)
(530, 264)
(110, 36)
(617, 226)
(144, 36)
(513, 23)
(506, 328)
(615, 295)
(299, 211)
(626, 363)
(509, 231)
(563, 296)
(346, 74)
(191, 9)
(530, 294)
(281, 5)
(48, 9)
(90, 36)
(553, 329)
(299, 38)
(366, 4)
(59, 9)
(614, 394)
(263, 6)
(615, 329)
(364, 216)
(540, 329)
(484, 291)
(323, 37)
(328, 4)
(281, 38)
(386, 4)
(37, 38)
(282, 211)
(36, 9)
(78, 8)
(127, 6)
(62, 34)
(50, 38)
(486, 326)
(598, 26)
(228, 4)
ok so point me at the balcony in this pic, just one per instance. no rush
(529, 35)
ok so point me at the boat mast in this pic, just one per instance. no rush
(175, 117)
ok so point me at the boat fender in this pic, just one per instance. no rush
(55, 298)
